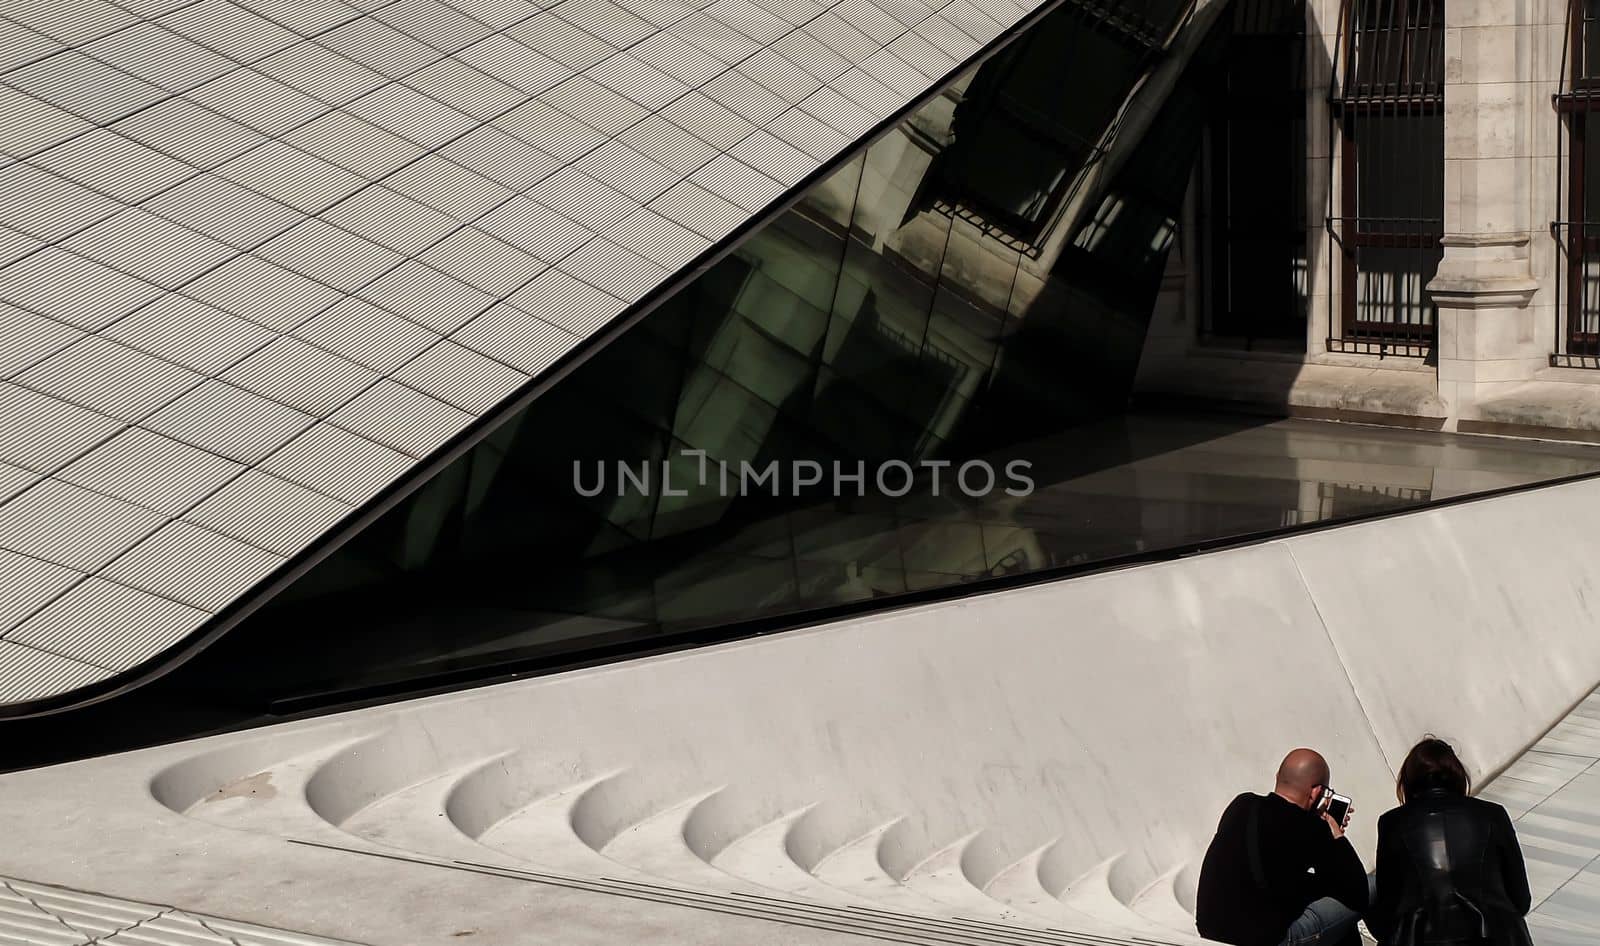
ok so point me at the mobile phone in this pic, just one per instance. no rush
(1337, 806)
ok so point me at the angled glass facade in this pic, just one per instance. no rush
(974, 283)
(969, 293)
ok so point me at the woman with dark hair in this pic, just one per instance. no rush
(1450, 871)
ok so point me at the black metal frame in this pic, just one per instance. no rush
(1378, 77)
(1577, 238)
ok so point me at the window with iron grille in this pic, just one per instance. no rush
(1253, 206)
(1388, 103)
(1578, 236)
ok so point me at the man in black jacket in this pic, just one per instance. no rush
(1278, 872)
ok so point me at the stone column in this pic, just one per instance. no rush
(1488, 336)
(1322, 184)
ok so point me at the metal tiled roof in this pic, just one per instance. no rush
(258, 258)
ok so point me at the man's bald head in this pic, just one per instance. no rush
(1301, 771)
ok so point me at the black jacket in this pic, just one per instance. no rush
(1449, 872)
(1300, 862)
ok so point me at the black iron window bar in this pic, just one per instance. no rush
(1577, 237)
(1146, 23)
(994, 230)
(1344, 499)
(1387, 98)
(1145, 28)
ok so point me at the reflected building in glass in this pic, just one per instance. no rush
(972, 286)
(988, 345)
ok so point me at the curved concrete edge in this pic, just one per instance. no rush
(1057, 751)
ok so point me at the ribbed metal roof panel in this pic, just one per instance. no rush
(260, 257)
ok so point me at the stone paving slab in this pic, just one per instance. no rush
(1553, 795)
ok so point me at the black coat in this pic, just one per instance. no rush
(1450, 872)
(1250, 900)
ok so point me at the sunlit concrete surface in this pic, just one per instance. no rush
(1005, 760)
(43, 915)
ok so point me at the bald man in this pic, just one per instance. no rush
(1279, 872)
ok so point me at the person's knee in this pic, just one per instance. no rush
(1334, 919)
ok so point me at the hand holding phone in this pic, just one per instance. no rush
(1337, 807)
(1335, 810)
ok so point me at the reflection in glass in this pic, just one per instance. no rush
(947, 295)
(929, 301)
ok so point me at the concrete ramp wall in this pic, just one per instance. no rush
(1479, 622)
(1056, 754)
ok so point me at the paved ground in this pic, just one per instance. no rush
(1553, 793)
(45, 915)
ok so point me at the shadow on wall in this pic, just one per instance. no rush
(1266, 260)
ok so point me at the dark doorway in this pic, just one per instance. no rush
(1253, 207)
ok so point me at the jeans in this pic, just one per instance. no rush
(1327, 922)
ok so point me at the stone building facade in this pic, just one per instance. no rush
(1446, 277)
